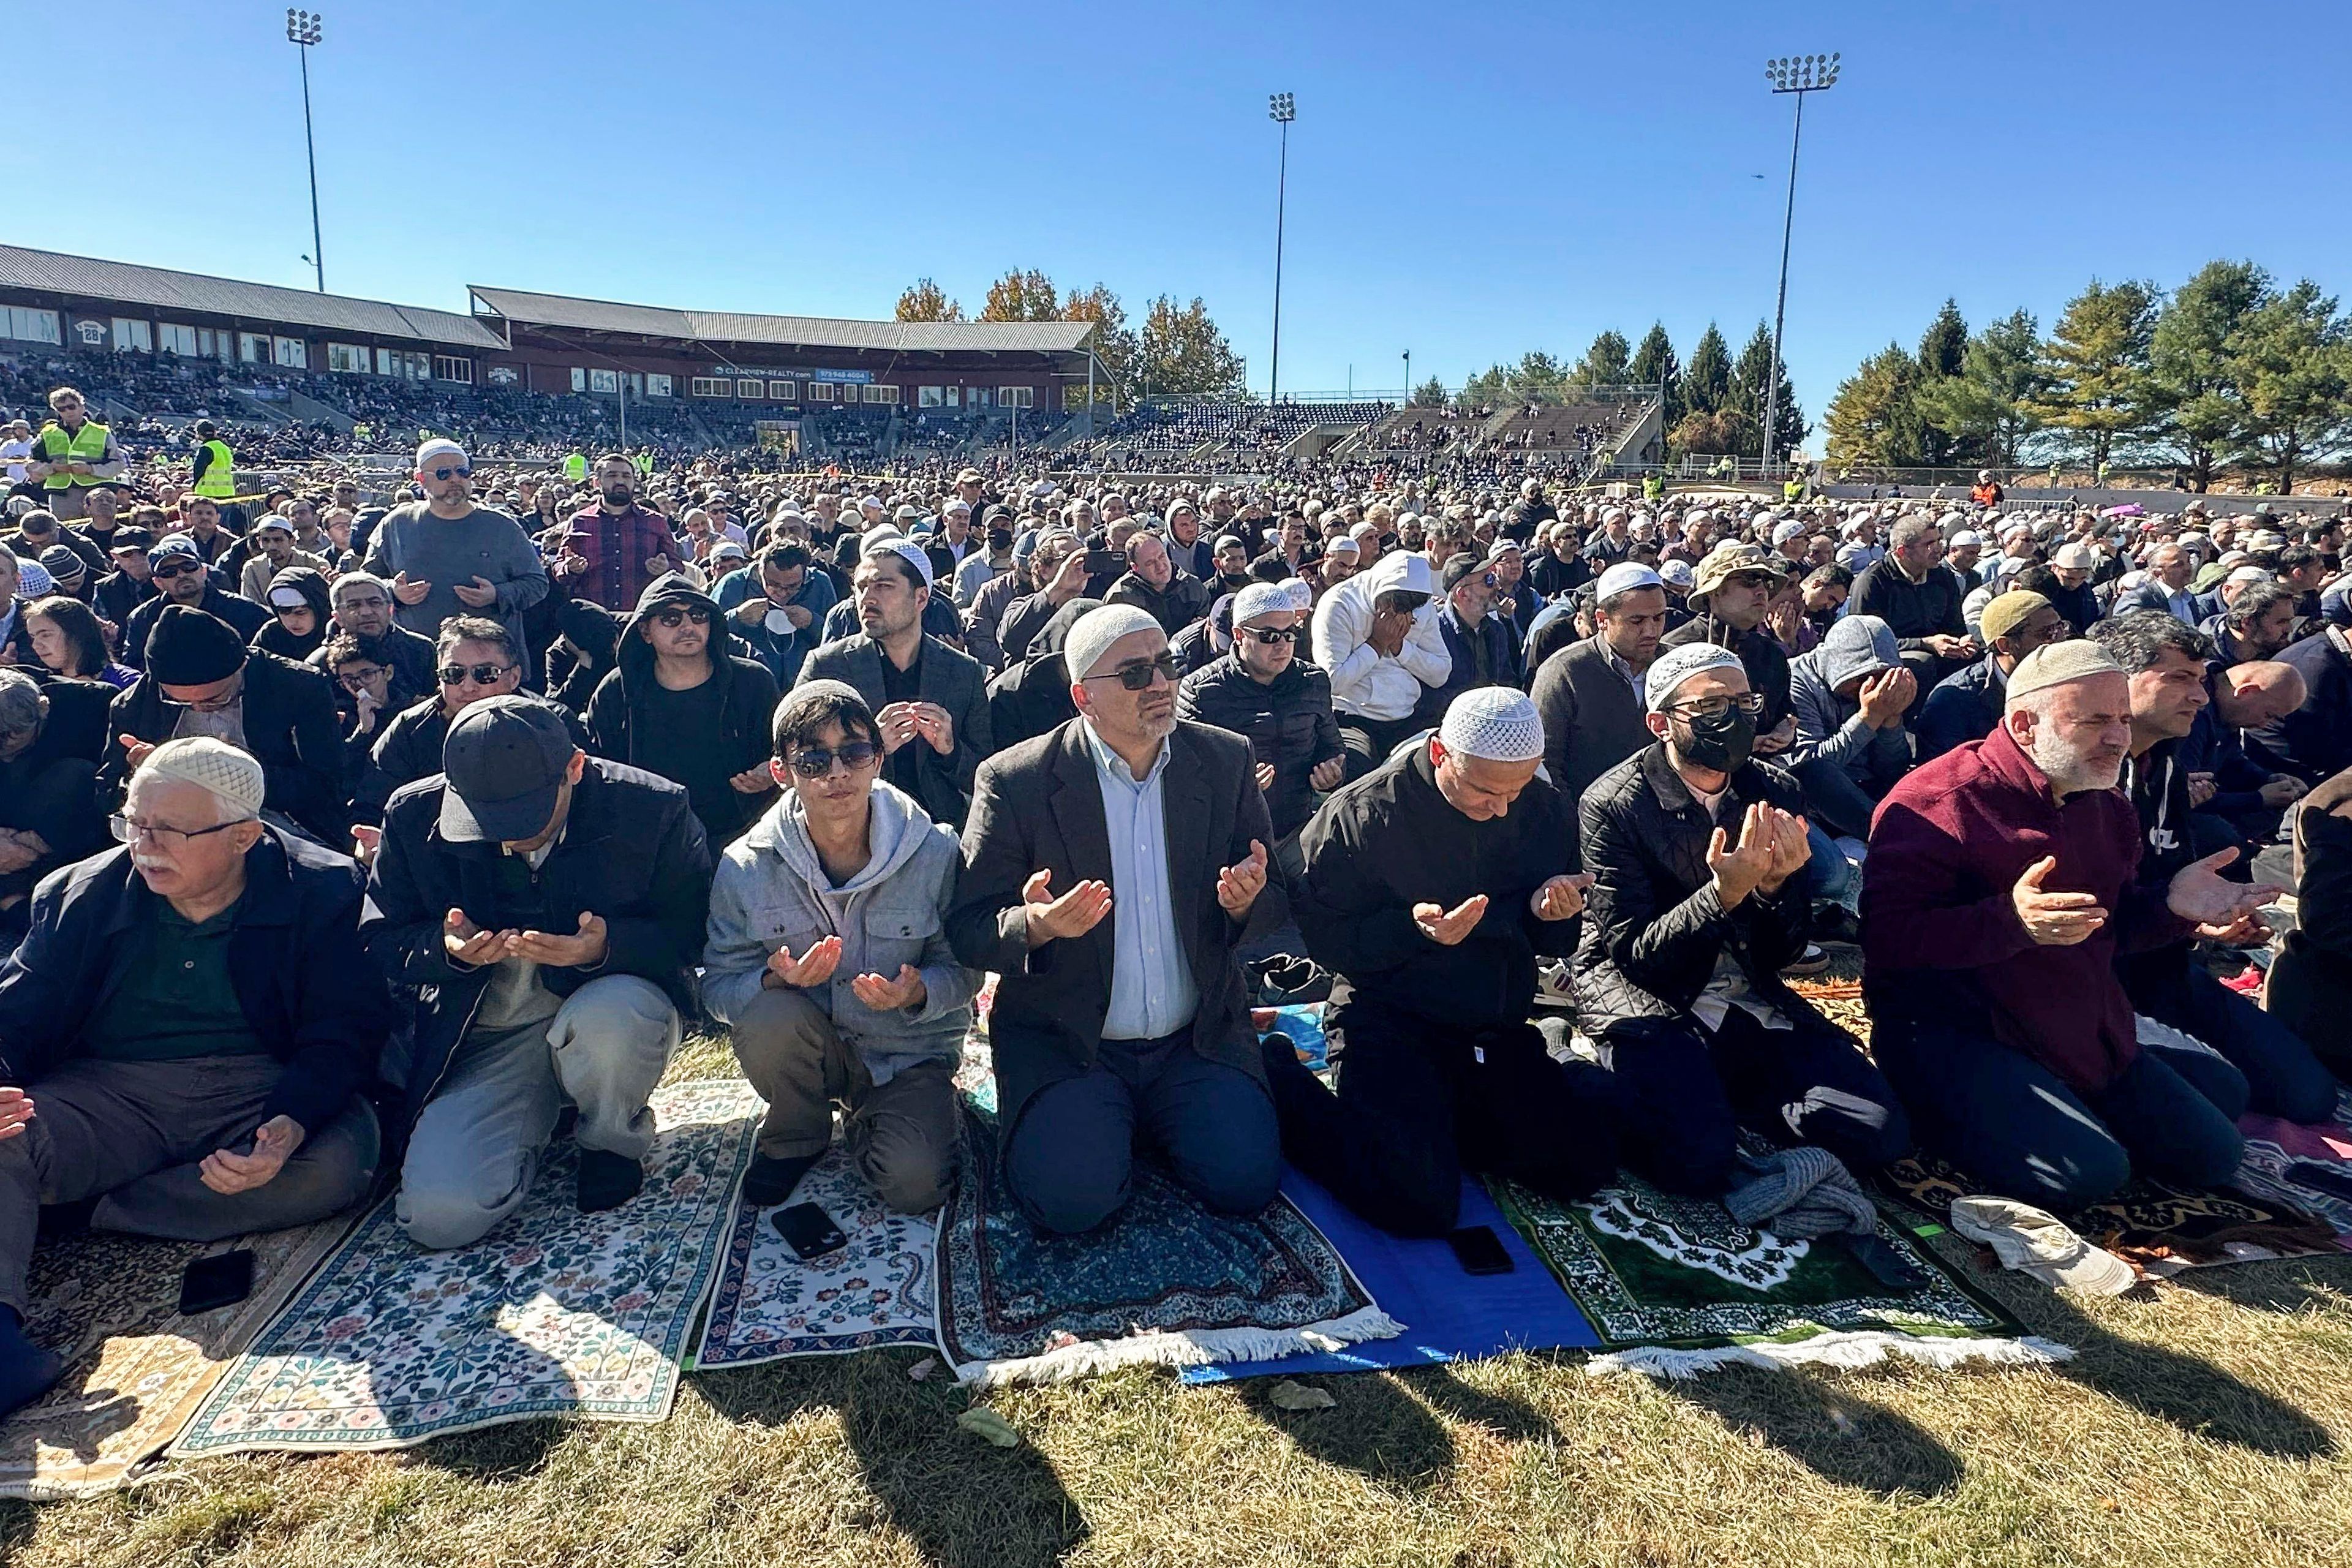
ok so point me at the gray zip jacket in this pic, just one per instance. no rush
(771, 891)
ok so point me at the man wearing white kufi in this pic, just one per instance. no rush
(183, 1032)
(1433, 883)
(1697, 852)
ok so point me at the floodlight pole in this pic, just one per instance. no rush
(1408, 377)
(302, 30)
(1281, 108)
(1797, 75)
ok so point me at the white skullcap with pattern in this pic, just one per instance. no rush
(233, 777)
(1498, 723)
(1678, 665)
(1261, 599)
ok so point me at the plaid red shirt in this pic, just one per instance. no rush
(616, 546)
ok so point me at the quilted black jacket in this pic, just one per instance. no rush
(1653, 924)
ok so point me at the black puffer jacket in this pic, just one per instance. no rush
(1653, 925)
(1287, 721)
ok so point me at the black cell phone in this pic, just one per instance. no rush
(809, 1231)
(1479, 1250)
(221, 1281)
(1101, 561)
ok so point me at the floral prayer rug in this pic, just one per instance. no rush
(877, 1290)
(1166, 1282)
(1675, 1286)
(554, 1313)
(2307, 1167)
(109, 1304)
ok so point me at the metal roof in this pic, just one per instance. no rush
(562, 310)
(162, 290)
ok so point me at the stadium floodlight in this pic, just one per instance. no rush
(1282, 108)
(1798, 75)
(302, 30)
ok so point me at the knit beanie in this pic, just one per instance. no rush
(232, 776)
(2008, 612)
(1497, 723)
(193, 648)
(2054, 664)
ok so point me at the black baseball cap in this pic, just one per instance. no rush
(505, 758)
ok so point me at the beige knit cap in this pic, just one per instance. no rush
(2054, 664)
(232, 776)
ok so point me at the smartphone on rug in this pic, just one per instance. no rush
(1479, 1250)
(221, 1281)
(809, 1231)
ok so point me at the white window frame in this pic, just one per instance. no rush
(27, 325)
(709, 386)
(130, 333)
(171, 337)
(820, 392)
(458, 368)
(657, 384)
(748, 389)
(783, 392)
(930, 397)
(347, 359)
(606, 381)
(290, 353)
(875, 393)
(1016, 397)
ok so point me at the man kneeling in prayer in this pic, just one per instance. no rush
(1698, 902)
(185, 1031)
(1433, 883)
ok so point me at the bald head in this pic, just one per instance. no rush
(2257, 693)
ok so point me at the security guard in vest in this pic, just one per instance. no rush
(1654, 487)
(1792, 488)
(73, 454)
(575, 468)
(216, 464)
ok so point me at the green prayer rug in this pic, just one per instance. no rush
(1675, 1286)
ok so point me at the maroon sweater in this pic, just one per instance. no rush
(1941, 941)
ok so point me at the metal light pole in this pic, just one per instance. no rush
(1797, 74)
(1408, 376)
(1282, 109)
(302, 31)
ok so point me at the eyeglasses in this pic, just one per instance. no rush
(816, 762)
(1137, 676)
(677, 615)
(126, 831)
(178, 566)
(1270, 635)
(445, 475)
(480, 674)
(357, 680)
(1748, 702)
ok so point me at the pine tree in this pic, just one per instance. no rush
(1706, 380)
(1655, 366)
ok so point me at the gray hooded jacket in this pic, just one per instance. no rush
(1830, 727)
(771, 891)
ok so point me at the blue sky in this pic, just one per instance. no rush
(1465, 183)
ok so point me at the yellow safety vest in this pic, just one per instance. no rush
(220, 478)
(1793, 489)
(575, 468)
(86, 445)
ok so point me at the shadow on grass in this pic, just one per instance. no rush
(496, 1454)
(965, 1503)
(1828, 1428)
(2289, 1285)
(1381, 1428)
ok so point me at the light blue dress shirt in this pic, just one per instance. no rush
(1151, 990)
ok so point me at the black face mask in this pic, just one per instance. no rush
(617, 494)
(1000, 539)
(1235, 580)
(1720, 744)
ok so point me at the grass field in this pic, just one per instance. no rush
(2208, 1424)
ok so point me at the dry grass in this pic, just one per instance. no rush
(2209, 1423)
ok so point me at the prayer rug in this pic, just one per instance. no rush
(1451, 1314)
(877, 1290)
(2307, 1167)
(1304, 1024)
(109, 1304)
(2158, 1228)
(554, 1313)
(1166, 1282)
(1675, 1287)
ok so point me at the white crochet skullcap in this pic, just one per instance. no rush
(1678, 665)
(1623, 578)
(1262, 599)
(904, 549)
(233, 777)
(1091, 636)
(1498, 723)
(1301, 592)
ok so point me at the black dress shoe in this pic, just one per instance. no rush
(771, 1181)
(606, 1180)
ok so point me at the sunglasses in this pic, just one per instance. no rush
(677, 615)
(1137, 676)
(1271, 636)
(480, 674)
(816, 762)
(445, 475)
(177, 568)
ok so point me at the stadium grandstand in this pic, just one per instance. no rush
(300, 374)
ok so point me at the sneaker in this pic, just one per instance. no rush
(1812, 961)
(1552, 987)
(606, 1180)
(1835, 925)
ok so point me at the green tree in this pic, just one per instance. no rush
(1987, 408)
(1429, 393)
(2095, 361)
(1727, 429)
(1021, 296)
(1941, 348)
(2196, 401)
(1706, 379)
(1873, 416)
(1606, 362)
(1181, 350)
(1655, 366)
(2295, 363)
(1750, 379)
(925, 301)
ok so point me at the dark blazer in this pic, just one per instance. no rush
(294, 961)
(1038, 806)
(631, 852)
(954, 680)
(2309, 989)
(289, 725)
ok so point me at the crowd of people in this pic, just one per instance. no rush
(438, 818)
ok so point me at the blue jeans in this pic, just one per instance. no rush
(1071, 1159)
(2012, 1125)
(1830, 877)
(2283, 1078)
